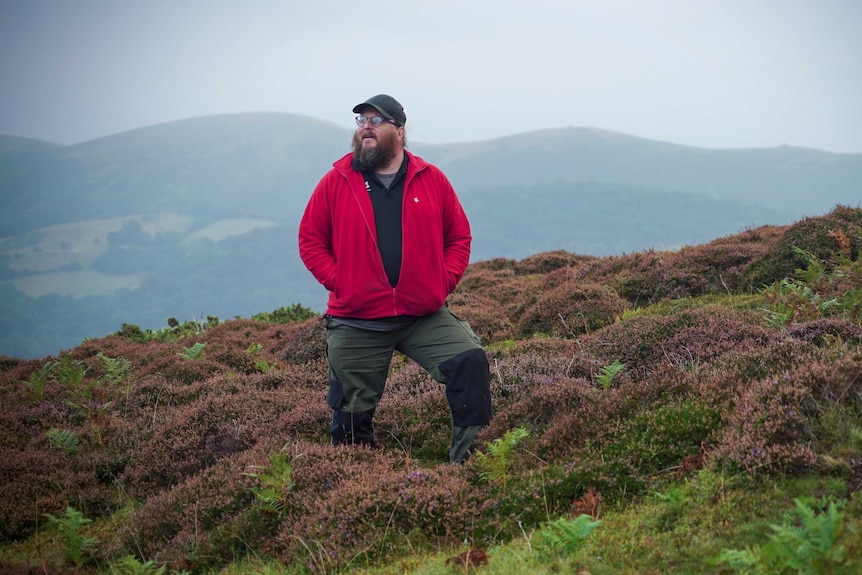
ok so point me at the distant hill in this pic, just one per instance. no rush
(19, 148)
(799, 180)
(198, 217)
(256, 165)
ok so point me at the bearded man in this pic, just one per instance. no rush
(385, 234)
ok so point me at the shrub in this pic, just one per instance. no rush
(660, 437)
(379, 511)
(571, 309)
(548, 262)
(638, 278)
(7, 362)
(637, 342)
(483, 314)
(38, 481)
(599, 415)
(202, 520)
(197, 436)
(765, 430)
(810, 235)
(714, 268)
(288, 314)
(687, 339)
(299, 343)
(503, 296)
(173, 367)
(302, 413)
(413, 415)
(736, 370)
(540, 406)
(828, 331)
(721, 266)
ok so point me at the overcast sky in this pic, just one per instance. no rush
(711, 73)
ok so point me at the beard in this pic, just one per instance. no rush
(373, 158)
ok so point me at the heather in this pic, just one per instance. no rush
(694, 411)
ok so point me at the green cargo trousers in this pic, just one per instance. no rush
(443, 344)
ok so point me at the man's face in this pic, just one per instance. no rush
(375, 146)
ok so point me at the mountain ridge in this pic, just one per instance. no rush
(261, 154)
(538, 131)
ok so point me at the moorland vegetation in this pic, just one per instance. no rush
(692, 411)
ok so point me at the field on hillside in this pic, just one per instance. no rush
(58, 259)
(695, 411)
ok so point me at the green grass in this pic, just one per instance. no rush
(223, 229)
(681, 527)
(53, 247)
(44, 257)
(672, 306)
(658, 535)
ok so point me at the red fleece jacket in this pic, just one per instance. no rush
(338, 243)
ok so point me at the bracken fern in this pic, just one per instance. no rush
(275, 482)
(63, 439)
(69, 526)
(496, 464)
(812, 547)
(565, 536)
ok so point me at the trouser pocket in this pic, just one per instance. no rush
(466, 325)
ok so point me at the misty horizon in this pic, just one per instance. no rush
(414, 142)
(714, 74)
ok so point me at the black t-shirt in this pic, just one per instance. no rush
(387, 217)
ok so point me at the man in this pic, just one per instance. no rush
(386, 235)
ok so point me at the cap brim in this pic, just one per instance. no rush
(357, 109)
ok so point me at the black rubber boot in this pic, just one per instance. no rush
(462, 442)
(352, 428)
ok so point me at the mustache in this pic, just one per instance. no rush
(359, 136)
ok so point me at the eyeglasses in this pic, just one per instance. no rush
(375, 121)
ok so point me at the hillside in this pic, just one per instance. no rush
(655, 412)
(252, 165)
(801, 181)
(135, 227)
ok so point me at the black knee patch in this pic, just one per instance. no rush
(468, 387)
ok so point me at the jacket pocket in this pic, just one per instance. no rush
(331, 280)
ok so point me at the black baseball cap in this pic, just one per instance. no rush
(387, 106)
